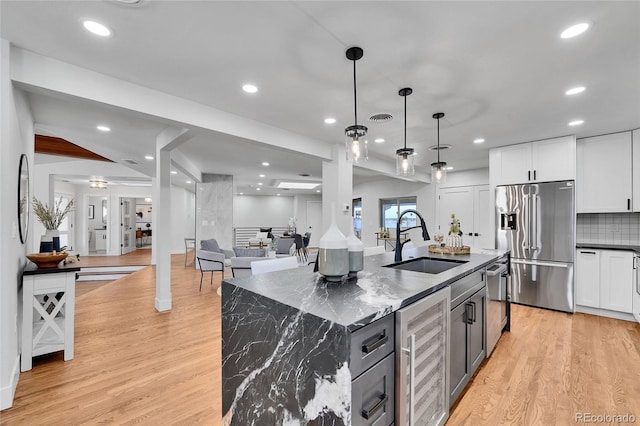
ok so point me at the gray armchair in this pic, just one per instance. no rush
(212, 245)
(210, 261)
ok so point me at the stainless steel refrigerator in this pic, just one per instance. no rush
(537, 223)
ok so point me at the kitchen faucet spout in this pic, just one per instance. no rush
(423, 225)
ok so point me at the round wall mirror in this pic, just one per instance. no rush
(23, 198)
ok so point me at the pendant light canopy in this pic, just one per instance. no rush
(356, 148)
(438, 169)
(405, 160)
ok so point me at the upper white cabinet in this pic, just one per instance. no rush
(541, 161)
(604, 175)
(471, 206)
(636, 169)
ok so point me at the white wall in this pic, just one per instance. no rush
(372, 192)
(262, 211)
(300, 212)
(183, 218)
(466, 178)
(16, 138)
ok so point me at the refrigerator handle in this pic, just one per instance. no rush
(534, 222)
(527, 222)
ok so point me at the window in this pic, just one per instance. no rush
(392, 208)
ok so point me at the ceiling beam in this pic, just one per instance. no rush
(57, 146)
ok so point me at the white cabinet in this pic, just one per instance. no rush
(604, 174)
(635, 136)
(48, 310)
(605, 279)
(540, 161)
(471, 206)
(588, 278)
(101, 239)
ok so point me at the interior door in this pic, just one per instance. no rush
(67, 227)
(314, 221)
(127, 231)
(482, 218)
(458, 201)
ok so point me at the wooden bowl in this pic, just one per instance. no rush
(47, 260)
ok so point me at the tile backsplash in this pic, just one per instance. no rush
(608, 228)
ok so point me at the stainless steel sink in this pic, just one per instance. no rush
(427, 265)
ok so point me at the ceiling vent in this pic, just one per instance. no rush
(381, 118)
(130, 161)
(442, 147)
(304, 174)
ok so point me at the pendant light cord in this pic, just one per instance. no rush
(355, 97)
(438, 141)
(405, 122)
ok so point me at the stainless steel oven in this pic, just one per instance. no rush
(497, 301)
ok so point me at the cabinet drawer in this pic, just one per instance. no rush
(48, 283)
(370, 344)
(373, 395)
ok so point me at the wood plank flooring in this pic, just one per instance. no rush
(136, 366)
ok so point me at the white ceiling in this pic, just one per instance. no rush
(498, 70)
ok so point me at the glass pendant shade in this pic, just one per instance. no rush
(357, 150)
(405, 162)
(439, 172)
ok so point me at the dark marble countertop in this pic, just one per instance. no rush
(32, 269)
(377, 291)
(608, 247)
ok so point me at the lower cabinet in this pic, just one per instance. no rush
(422, 361)
(468, 342)
(604, 279)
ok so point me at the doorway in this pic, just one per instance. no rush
(314, 221)
(97, 226)
(66, 228)
(127, 233)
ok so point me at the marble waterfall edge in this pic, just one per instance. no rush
(280, 365)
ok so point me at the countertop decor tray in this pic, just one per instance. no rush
(433, 248)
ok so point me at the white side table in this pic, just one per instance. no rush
(48, 310)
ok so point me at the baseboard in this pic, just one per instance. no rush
(605, 313)
(163, 305)
(7, 393)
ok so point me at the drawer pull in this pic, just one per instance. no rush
(370, 347)
(367, 414)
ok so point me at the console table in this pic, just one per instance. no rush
(48, 310)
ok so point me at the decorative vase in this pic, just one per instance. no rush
(356, 254)
(333, 253)
(50, 241)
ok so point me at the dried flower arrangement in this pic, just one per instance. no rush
(51, 218)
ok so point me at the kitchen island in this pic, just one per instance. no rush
(288, 339)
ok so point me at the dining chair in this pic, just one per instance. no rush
(210, 261)
(278, 264)
(300, 250)
(305, 242)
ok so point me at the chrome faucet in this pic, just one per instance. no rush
(399, 245)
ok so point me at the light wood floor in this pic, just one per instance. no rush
(135, 366)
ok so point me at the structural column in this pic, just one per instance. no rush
(337, 190)
(167, 140)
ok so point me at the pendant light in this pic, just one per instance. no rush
(405, 160)
(439, 168)
(356, 149)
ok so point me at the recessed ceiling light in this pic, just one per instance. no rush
(576, 122)
(329, 120)
(258, 189)
(96, 28)
(260, 183)
(261, 175)
(449, 168)
(103, 128)
(298, 185)
(242, 193)
(148, 157)
(575, 30)
(379, 140)
(264, 163)
(575, 90)
(317, 190)
(278, 195)
(249, 88)
(479, 140)
(188, 181)
(173, 172)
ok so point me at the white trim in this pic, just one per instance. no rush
(163, 305)
(8, 392)
(605, 313)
